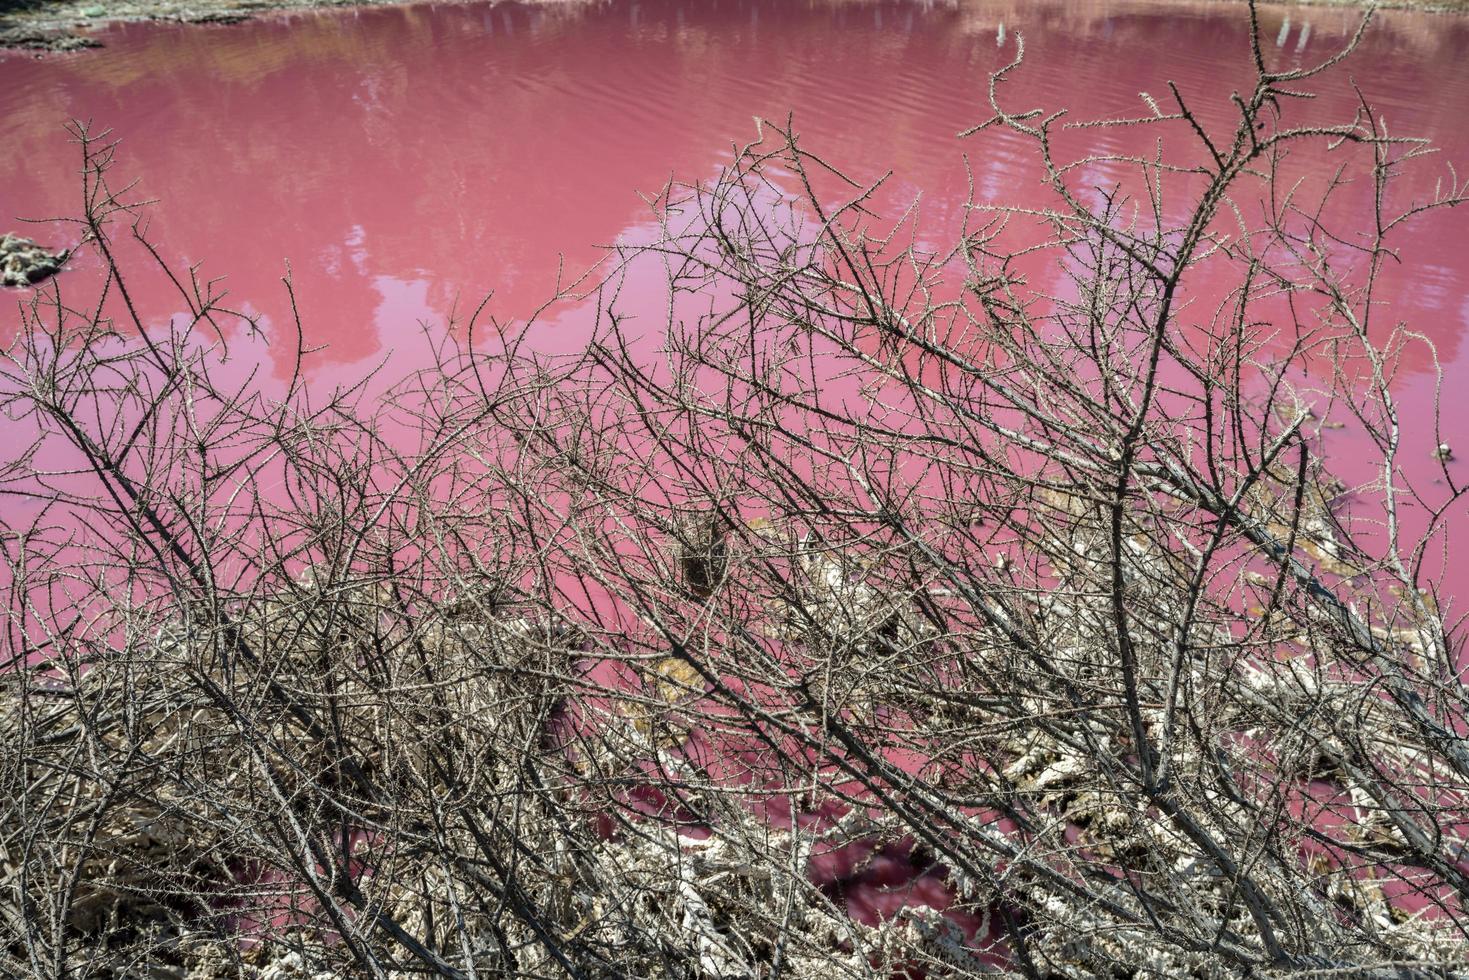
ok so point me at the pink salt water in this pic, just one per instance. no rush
(405, 160)
(408, 162)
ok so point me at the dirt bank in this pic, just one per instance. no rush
(64, 25)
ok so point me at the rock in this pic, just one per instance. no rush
(44, 38)
(24, 263)
(213, 17)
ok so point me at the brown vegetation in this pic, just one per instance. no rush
(527, 669)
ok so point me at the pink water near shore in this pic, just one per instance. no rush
(402, 160)
(408, 162)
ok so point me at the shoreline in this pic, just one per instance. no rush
(71, 25)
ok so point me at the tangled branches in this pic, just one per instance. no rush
(886, 613)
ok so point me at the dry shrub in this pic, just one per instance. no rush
(873, 562)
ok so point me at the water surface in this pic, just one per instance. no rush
(405, 163)
(404, 159)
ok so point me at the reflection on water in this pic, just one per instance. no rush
(403, 159)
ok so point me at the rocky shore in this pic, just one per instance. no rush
(67, 25)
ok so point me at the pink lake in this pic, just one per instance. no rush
(402, 160)
(408, 162)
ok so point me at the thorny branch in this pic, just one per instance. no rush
(642, 662)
